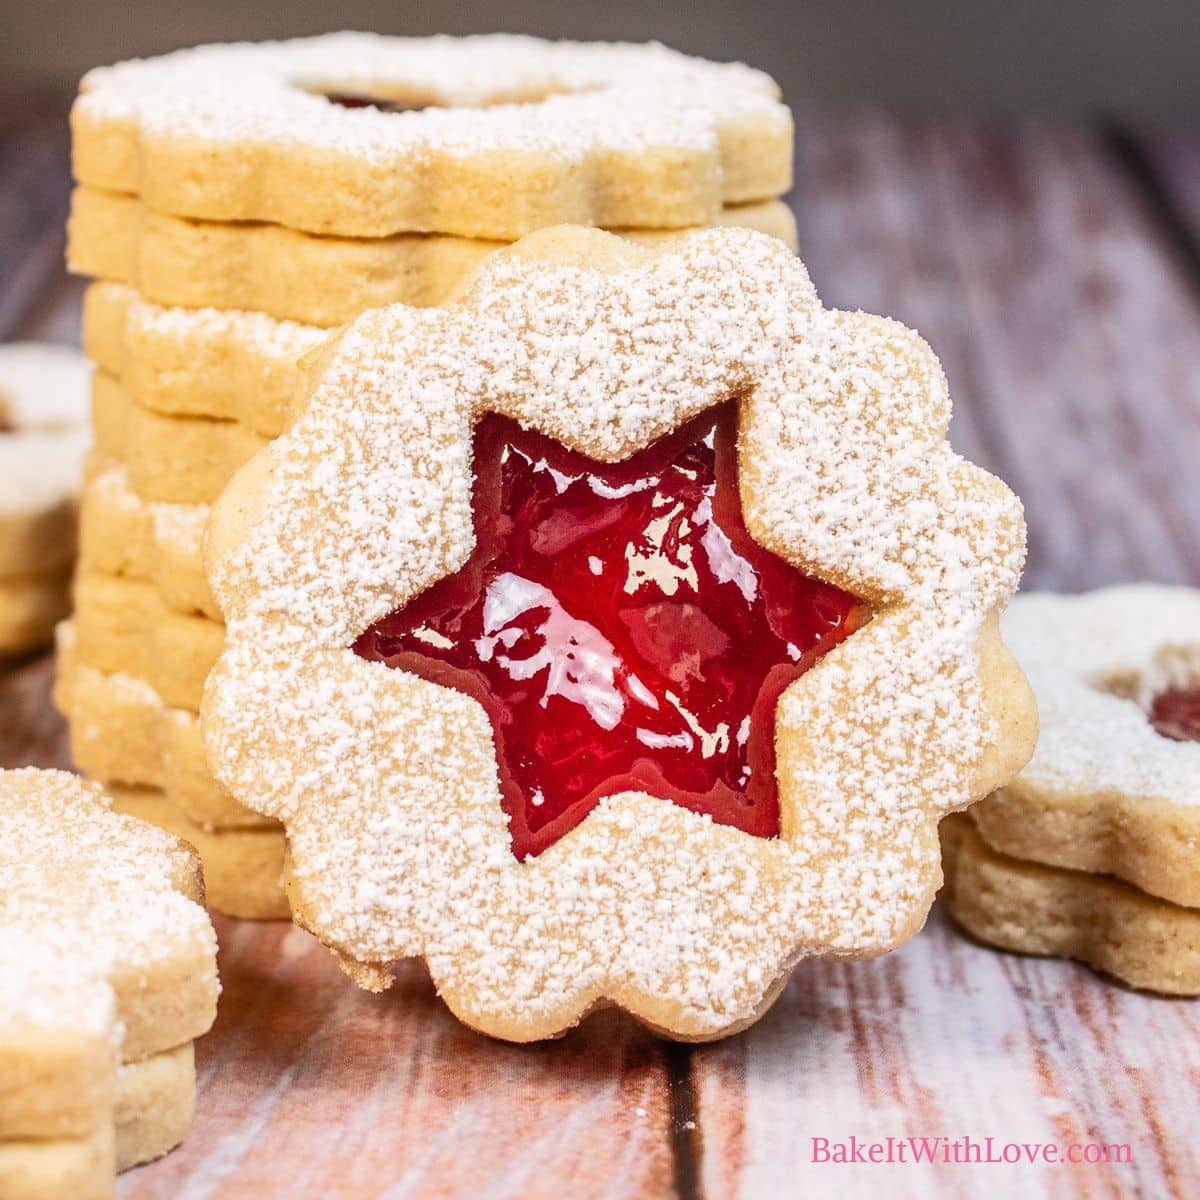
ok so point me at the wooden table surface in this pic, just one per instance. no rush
(1056, 271)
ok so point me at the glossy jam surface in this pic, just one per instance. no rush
(621, 629)
(1176, 714)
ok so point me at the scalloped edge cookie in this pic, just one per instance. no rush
(107, 954)
(154, 1101)
(208, 362)
(689, 925)
(173, 460)
(1104, 792)
(124, 626)
(122, 732)
(293, 276)
(243, 868)
(522, 134)
(43, 438)
(152, 542)
(1031, 908)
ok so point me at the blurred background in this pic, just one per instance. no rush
(1063, 56)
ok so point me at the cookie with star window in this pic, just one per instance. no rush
(616, 635)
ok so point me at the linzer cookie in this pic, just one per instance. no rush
(292, 275)
(1031, 908)
(208, 362)
(175, 460)
(1114, 785)
(635, 626)
(1091, 851)
(122, 534)
(483, 137)
(43, 437)
(123, 733)
(107, 973)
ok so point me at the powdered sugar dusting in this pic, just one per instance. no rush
(1096, 662)
(561, 96)
(43, 425)
(388, 783)
(179, 527)
(86, 893)
(577, 128)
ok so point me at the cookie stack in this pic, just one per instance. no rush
(1092, 851)
(43, 438)
(236, 202)
(107, 974)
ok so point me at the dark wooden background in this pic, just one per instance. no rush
(1056, 271)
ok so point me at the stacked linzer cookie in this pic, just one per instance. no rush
(108, 972)
(236, 202)
(43, 438)
(1090, 852)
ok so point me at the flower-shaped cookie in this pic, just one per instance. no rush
(433, 508)
(486, 137)
(1114, 785)
(108, 970)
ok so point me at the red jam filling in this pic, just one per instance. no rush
(1176, 714)
(354, 100)
(621, 628)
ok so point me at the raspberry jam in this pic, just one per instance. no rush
(1176, 714)
(354, 100)
(621, 628)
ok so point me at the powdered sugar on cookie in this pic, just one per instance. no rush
(1097, 662)
(90, 896)
(558, 131)
(43, 426)
(388, 783)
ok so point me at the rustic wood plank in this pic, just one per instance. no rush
(1173, 153)
(37, 301)
(948, 1039)
(310, 1087)
(34, 196)
(1069, 335)
(32, 734)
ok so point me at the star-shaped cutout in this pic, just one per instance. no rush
(621, 629)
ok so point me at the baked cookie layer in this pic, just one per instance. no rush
(105, 954)
(176, 460)
(233, 365)
(1035, 909)
(155, 1102)
(1105, 792)
(503, 135)
(153, 542)
(243, 868)
(122, 732)
(59, 1168)
(123, 626)
(29, 610)
(320, 281)
(43, 436)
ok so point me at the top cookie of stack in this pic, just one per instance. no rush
(233, 203)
